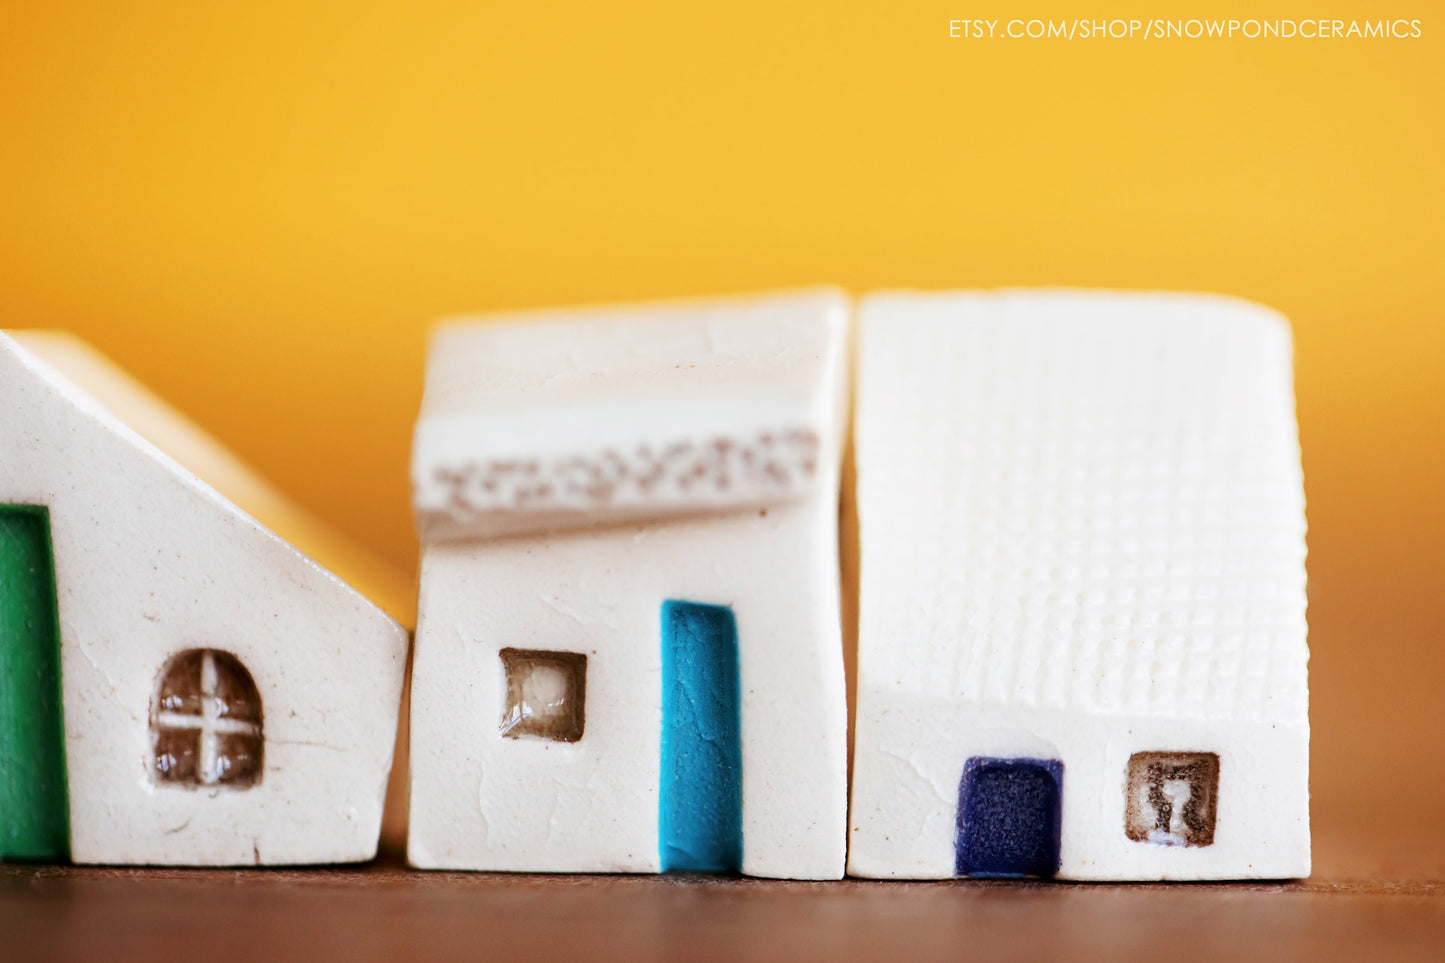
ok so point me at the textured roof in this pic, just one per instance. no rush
(569, 417)
(1081, 501)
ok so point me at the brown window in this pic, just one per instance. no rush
(206, 725)
(1171, 798)
(545, 694)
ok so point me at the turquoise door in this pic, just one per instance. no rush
(700, 824)
(34, 811)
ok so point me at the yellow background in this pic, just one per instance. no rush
(258, 208)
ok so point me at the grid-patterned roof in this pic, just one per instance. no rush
(1081, 501)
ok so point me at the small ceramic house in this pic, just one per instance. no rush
(1082, 633)
(177, 684)
(629, 655)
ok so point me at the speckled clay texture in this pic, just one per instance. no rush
(543, 421)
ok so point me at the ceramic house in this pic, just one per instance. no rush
(177, 684)
(629, 655)
(1082, 636)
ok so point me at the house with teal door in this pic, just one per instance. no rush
(178, 685)
(629, 647)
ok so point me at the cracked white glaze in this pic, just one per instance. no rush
(595, 582)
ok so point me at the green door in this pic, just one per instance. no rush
(34, 812)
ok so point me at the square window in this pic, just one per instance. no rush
(1170, 798)
(545, 694)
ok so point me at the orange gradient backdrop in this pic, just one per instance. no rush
(258, 209)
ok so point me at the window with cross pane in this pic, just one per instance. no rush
(206, 725)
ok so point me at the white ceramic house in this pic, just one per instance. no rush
(193, 690)
(1082, 636)
(629, 655)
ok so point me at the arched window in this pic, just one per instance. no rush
(206, 724)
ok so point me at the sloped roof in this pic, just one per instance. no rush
(83, 373)
(549, 419)
(1083, 501)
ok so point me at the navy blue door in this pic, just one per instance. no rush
(1008, 817)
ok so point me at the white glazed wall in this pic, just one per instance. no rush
(913, 752)
(480, 801)
(149, 561)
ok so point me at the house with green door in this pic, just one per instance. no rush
(178, 685)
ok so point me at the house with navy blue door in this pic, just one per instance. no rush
(1082, 642)
(629, 644)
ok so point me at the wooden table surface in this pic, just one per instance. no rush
(1378, 893)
